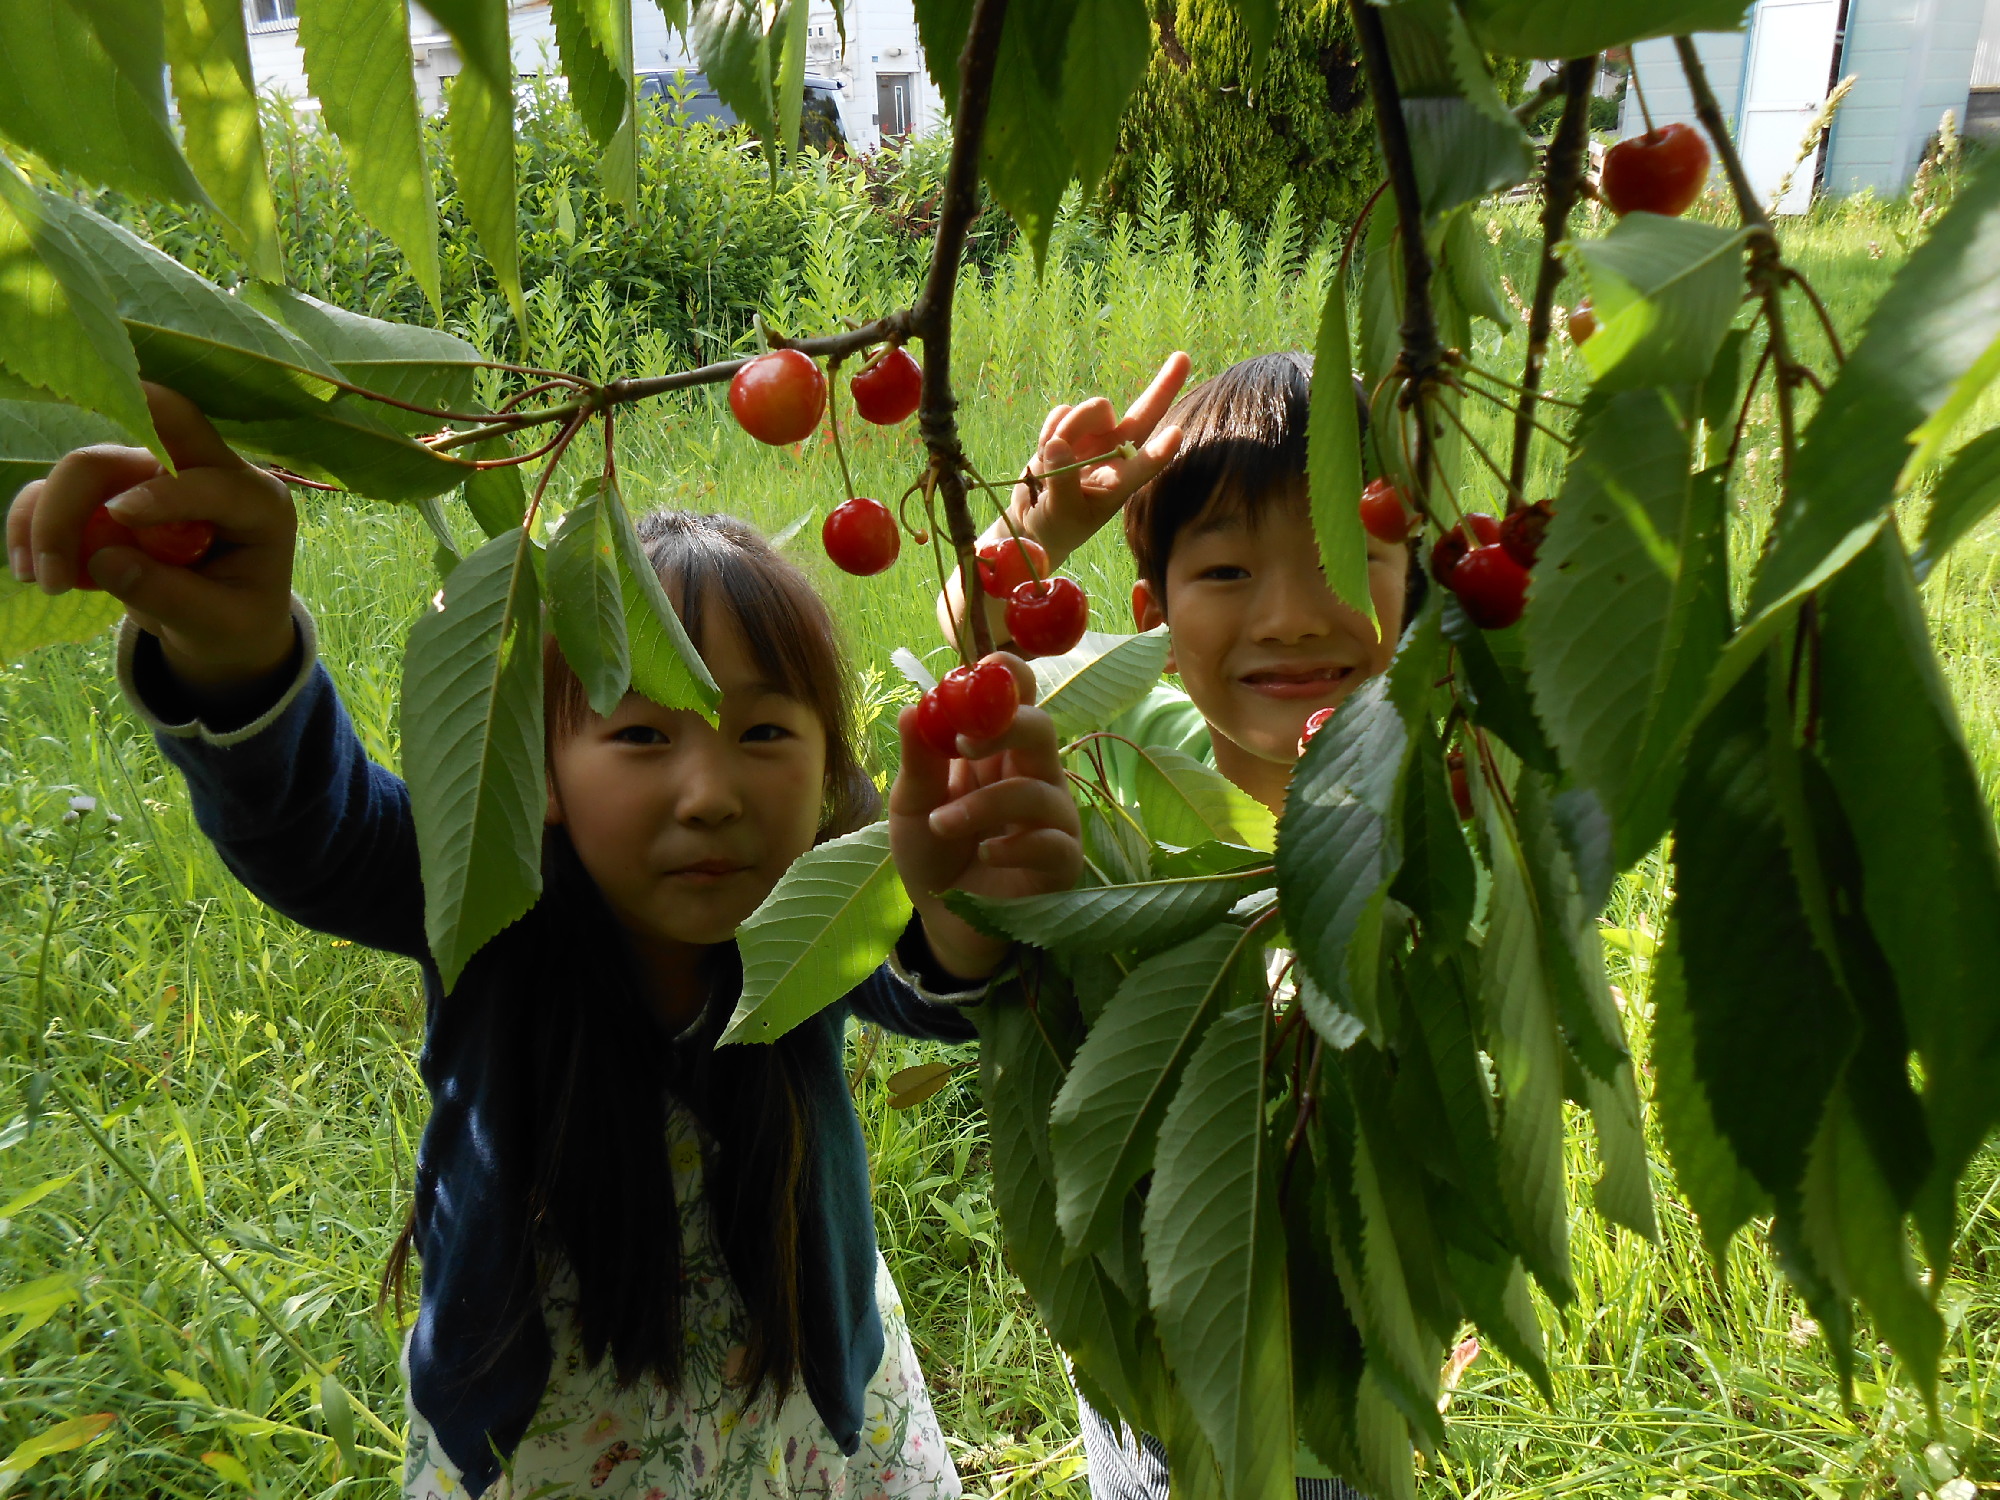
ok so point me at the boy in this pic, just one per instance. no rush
(1217, 519)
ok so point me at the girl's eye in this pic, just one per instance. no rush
(639, 734)
(766, 733)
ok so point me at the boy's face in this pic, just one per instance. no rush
(1259, 640)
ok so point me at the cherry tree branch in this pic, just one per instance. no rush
(1562, 180)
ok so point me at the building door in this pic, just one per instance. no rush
(894, 99)
(1786, 82)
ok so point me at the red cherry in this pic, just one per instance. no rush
(861, 536)
(1461, 789)
(1522, 532)
(887, 390)
(1453, 545)
(1582, 321)
(980, 700)
(934, 726)
(1660, 172)
(179, 544)
(1047, 618)
(1002, 568)
(1313, 727)
(1491, 586)
(101, 529)
(1383, 512)
(778, 397)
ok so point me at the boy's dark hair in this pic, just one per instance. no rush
(1243, 444)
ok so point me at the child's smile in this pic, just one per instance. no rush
(1306, 681)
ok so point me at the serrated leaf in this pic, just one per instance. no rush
(1576, 28)
(481, 116)
(1493, 683)
(1333, 457)
(423, 366)
(1665, 291)
(1085, 689)
(1140, 917)
(1939, 316)
(665, 665)
(1024, 155)
(59, 327)
(30, 619)
(89, 106)
(216, 95)
(1572, 952)
(1187, 803)
(1463, 139)
(1496, 1298)
(1931, 882)
(1436, 879)
(1103, 61)
(1965, 495)
(1215, 1258)
(1107, 1116)
(740, 60)
(472, 750)
(1467, 258)
(1084, 1311)
(587, 603)
(1327, 1353)
(34, 434)
(357, 60)
(826, 926)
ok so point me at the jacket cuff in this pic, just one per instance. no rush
(913, 964)
(162, 705)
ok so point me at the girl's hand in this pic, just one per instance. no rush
(1000, 823)
(224, 624)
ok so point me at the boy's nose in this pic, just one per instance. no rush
(1295, 604)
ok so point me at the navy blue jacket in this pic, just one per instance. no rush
(314, 828)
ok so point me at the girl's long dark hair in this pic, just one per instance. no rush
(590, 1067)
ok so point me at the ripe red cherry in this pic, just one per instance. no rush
(1522, 532)
(979, 700)
(101, 529)
(1383, 512)
(887, 391)
(179, 544)
(861, 536)
(1491, 586)
(1453, 545)
(1047, 618)
(1313, 727)
(1582, 321)
(1461, 789)
(778, 397)
(1660, 172)
(1002, 568)
(934, 726)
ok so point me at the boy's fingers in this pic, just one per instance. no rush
(1092, 419)
(1047, 849)
(1122, 477)
(1019, 803)
(924, 778)
(1145, 413)
(76, 486)
(190, 439)
(20, 517)
(245, 506)
(1051, 422)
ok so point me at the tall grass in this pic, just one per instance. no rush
(261, 1079)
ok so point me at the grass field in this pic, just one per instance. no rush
(261, 1079)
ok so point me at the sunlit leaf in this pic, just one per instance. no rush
(1664, 291)
(1464, 141)
(1333, 457)
(1085, 689)
(1104, 59)
(665, 665)
(481, 113)
(1139, 917)
(1965, 495)
(1187, 803)
(1576, 28)
(216, 95)
(587, 604)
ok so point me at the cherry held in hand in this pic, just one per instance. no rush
(861, 536)
(1047, 619)
(1313, 726)
(887, 391)
(980, 700)
(1660, 172)
(179, 544)
(1522, 532)
(1003, 567)
(1491, 586)
(778, 397)
(934, 726)
(1383, 513)
(101, 529)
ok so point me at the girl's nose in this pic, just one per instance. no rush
(709, 794)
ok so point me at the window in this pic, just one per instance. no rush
(274, 13)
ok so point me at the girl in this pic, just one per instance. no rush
(649, 1266)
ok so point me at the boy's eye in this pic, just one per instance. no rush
(639, 734)
(1225, 573)
(766, 733)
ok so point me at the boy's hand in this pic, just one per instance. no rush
(224, 624)
(1001, 823)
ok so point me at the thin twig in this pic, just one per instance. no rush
(1743, 412)
(1508, 406)
(1458, 361)
(1514, 496)
(1798, 279)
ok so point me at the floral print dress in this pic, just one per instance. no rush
(590, 1439)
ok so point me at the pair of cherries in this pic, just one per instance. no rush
(180, 544)
(1485, 562)
(978, 701)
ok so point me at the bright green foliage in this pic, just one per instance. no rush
(217, 95)
(1333, 449)
(1965, 496)
(1085, 689)
(482, 136)
(1664, 291)
(1188, 803)
(587, 603)
(1463, 140)
(1575, 28)
(1148, 914)
(30, 619)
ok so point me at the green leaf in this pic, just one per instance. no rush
(357, 60)
(740, 60)
(1106, 1118)
(826, 926)
(62, 1437)
(1215, 1255)
(587, 603)
(34, 434)
(1965, 495)
(1572, 953)
(497, 498)
(472, 750)
(217, 97)
(588, 39)
(1772, 1029)
(338, 1414)
(1723, 1195)
(1664, 291)
(665, 665)
(1333, 457)
(1327, 1353)
(1931, 883)
(90, 106)
(423, 366)
(1494, 684)
(1465, 141)
(1085, 689)
(1937, 319)
(1496, 1298)
(1576, 28)
(1721, 391)
(1448, 1104)
(1025, 157)
(30, 619)
(1436, 879)
(1187, 803)
(481, 113)
(790, 34)
(1020, 1071)
(59, 328)
(1109, 42)
(1467, 258)
(1140, 917)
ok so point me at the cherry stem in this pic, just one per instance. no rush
(1798, 279)
(1457, 359)
(833, 425)
(1515, 499)
(1640, 89)
(1743, 411)
(1508, 406)
(1360, 223)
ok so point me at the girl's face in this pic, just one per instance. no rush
(686, 827)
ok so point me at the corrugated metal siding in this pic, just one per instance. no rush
(1986, 56)
(1914, 61)
(1659, 70)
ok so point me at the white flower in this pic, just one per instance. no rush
(82, 804)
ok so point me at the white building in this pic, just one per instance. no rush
(885, 89)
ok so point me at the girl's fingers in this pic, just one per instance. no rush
(1048, 850)
(924, 778)
(1092, 419)
(247, 505)
(20, 517)
(1018, 804)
